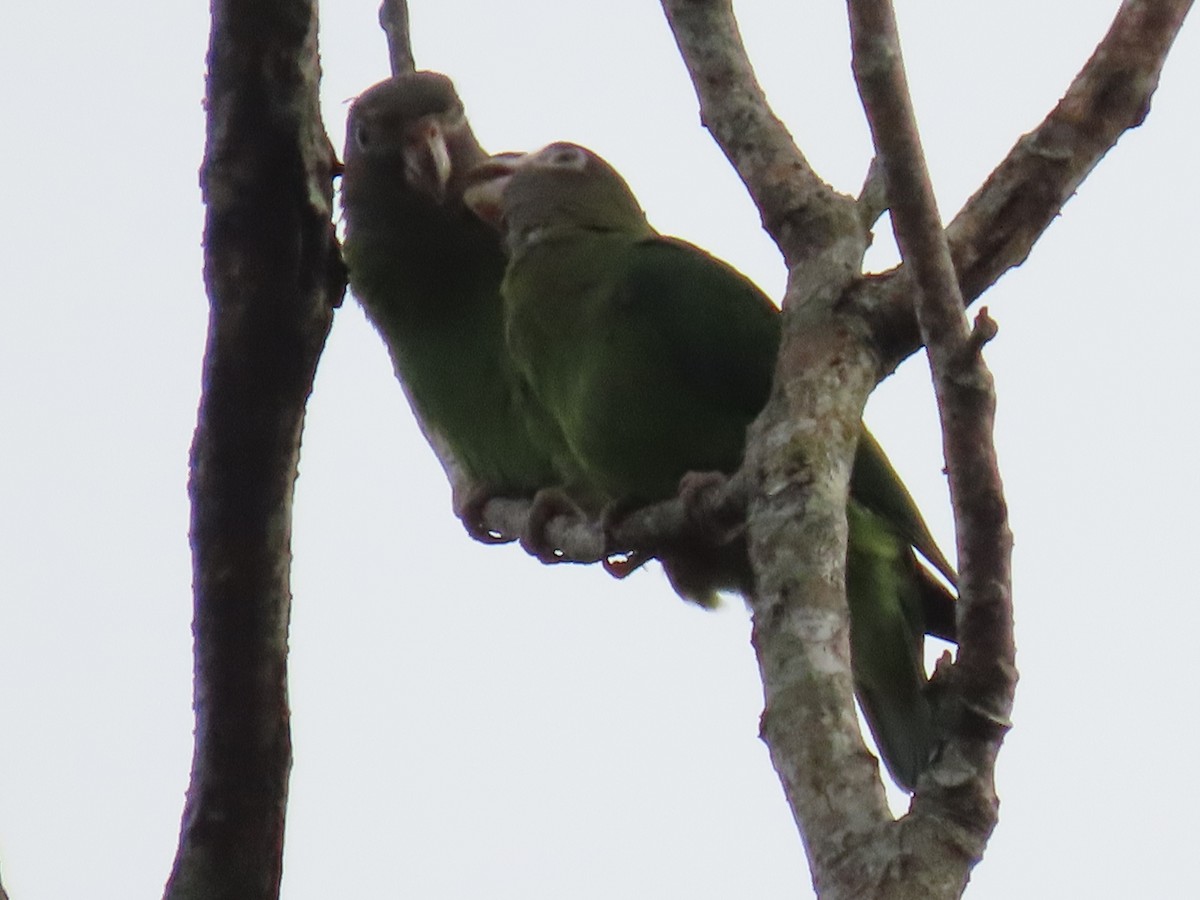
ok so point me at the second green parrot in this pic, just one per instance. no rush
(653, 357)
(427, 273)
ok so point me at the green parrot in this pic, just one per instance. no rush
(653, 357)
(427, 273)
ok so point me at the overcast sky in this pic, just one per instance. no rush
(468, 723)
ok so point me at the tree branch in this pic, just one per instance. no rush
(800, 450)
(998, 226)
(799, 453)
(872, 198)
(393, 19)
(966, 401)
(801, 212)
(273, 275)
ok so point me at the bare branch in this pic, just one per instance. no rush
(393, 19)
(879, 70)
(966, 402)
(998, 226)
(273, 275)
(801, 212)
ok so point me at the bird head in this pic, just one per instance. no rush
(561, 186)
(412, 128)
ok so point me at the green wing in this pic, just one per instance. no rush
(679, 359)
(877, 486)
(721, 332)
(887, 642)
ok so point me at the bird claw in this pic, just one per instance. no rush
(548, 504)
(697, 492)
(469, 509)
(619, 563)
(625, 563)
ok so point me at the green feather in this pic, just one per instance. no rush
(427, 273)
(633, 334)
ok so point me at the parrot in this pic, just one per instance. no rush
(427, 274)
(653, 357)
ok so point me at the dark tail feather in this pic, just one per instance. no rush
(887, 599)
(939, 605)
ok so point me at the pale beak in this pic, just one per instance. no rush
(484, 193)
(427, 166)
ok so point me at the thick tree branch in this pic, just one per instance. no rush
(799, 453)
(966, 401)
(800, 450)
(998, 226)
(801, 212)
(273, 275)
(393, 19)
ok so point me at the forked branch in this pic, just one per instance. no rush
(996, 229)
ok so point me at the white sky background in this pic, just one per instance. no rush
(468, 723)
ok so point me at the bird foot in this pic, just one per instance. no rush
(701, 494)
(548, 504)
(469, 509)
(619, 563)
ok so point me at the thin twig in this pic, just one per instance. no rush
(393, 19)
(872, 198)
(997, 227)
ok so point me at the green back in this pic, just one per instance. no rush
(652, 355)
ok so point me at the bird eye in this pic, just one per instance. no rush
(564, 156)
(362, 136)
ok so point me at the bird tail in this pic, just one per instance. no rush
(699, 574)
(887, 594)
